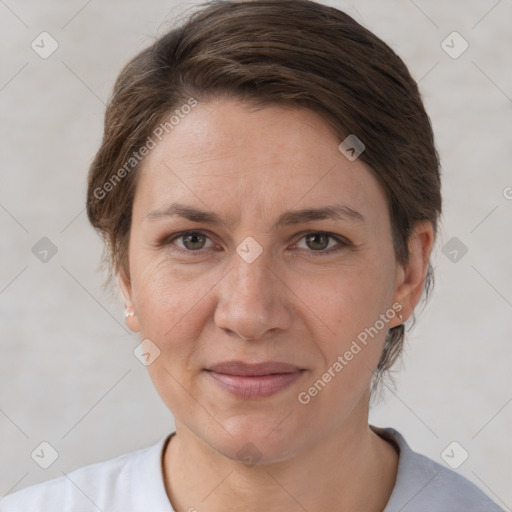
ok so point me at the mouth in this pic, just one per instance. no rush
(251, 381)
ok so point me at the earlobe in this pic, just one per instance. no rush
(411, 277)
(130, 313)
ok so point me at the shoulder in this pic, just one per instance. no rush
(423, 485)
(104, 486)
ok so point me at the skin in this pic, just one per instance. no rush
(301, 304)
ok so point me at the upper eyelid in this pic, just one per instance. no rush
(340, 238)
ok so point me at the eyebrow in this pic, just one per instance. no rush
(290, 217)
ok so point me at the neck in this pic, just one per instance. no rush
(353, 469)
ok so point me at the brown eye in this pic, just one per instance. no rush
(317, 241)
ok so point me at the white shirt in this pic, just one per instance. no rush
(134, 483)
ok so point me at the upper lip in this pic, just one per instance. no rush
(253, 369)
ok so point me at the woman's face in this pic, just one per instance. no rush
(260, 263)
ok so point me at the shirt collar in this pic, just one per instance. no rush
(147, 480)
(411, 477)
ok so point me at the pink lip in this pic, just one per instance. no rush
(251, 381)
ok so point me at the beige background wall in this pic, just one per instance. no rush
(67, 372)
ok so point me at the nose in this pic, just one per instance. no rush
(254, 300)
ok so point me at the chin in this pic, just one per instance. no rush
(256, 440)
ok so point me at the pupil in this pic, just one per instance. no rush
(324, 243)
(193, 236)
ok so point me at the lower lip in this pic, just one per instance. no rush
(249, 388)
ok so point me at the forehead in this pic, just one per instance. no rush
(229, 156)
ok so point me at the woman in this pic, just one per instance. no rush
(268, 189)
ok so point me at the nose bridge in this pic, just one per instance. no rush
(252, 274)
(252, 300)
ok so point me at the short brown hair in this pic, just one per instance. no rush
(274, 52)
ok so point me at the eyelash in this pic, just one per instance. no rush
(342, 243)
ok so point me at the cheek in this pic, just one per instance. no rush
(347, 300)
(349, 303)
(172, 315)
(168, 299)
(351, 307)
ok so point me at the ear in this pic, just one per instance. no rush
(411, 277)
(125, 287)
